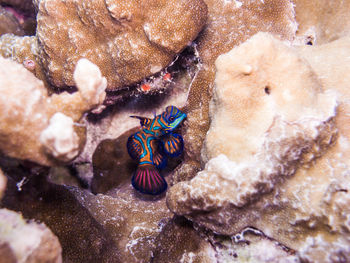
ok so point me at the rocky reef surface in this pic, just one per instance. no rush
(264, 176)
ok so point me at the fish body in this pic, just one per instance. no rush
(152, 146)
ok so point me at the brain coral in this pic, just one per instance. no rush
(127, 40)
(276, 159)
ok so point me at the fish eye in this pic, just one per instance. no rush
(171, 118)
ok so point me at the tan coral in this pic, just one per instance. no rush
(27, 113)
(27, 241)
(229, 24)
(127, 40)
(23, 50)
(292, 181)
(322, 21)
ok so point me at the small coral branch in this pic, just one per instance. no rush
(38, 127)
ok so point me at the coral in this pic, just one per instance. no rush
(322, 21)
(23, 50)
(30, 122)
(265, 176)
(254, 247)
(250, 90)
(181, 241)
(23, 241)
(119, 226)
(288, 175)
(133, 222)
(127, 40)
(115, 120)
(229, 24)
(59, 138)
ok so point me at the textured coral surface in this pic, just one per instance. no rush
(229, 24)
(120, 226)
(322, 21)
(27, 241)
(284, 176)
(266, 142)
(27, 113)
(128, 40)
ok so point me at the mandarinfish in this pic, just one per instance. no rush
(152, 146)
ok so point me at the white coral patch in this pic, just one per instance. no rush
(90, 82)
(22, 237)
(60, 139)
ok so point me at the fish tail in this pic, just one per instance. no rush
(148, 180)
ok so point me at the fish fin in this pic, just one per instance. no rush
(148, 180)
(134, 147)
(144, 122)
(159, 160)
(172, 144)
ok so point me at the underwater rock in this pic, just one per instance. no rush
(229, 24)
(112, 165)
(22, 241)
(127, 40)
(63, 175)
(9, 24)
(27, 113)
(23, 16)
(285, 171)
